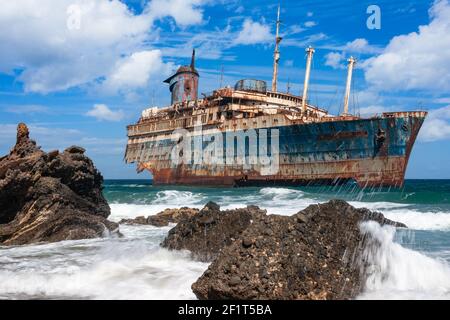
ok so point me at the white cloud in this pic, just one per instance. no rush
(102, 113)
(136, 70)
(437, 125)
(253, 33)
(310, 24)
(53, 54)
(295, 29)
(416, 61)
(334, 60)
(358, 46)
(184, 12)
(372, 110)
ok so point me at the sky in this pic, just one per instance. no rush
(79, 71)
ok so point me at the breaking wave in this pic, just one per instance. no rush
(178, 198)
(131, 268)
(400, 273)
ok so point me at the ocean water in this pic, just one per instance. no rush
(410, 264)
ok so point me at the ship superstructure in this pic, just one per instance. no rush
(250, 135)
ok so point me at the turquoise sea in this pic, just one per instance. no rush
(413, 263)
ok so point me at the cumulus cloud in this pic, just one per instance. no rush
(416, 61)
(102, 113)
(253, 32)
(136, 70)
(360, 46)
(437, 125)
(56, 45)
(184, 12)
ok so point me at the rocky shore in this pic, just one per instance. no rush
(49, 197)
(314, 254)
(317, 253)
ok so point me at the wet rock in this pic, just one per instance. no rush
(315, 254)
(163, 218)
(206, 233)
(50, 196)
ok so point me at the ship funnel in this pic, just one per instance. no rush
(276, 54)
(309, 51)
(351, 64)
(183, 85)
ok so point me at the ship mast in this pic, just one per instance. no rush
(276, 55)
(310, 52)
(351, 64)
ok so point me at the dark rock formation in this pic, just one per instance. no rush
(50, 196)
(206, 233)
(163, 219)
(315, 254)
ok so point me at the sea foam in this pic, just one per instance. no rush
(400, 273)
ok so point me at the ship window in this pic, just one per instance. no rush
(235, 148)
(229, 115)
(210, 116)
(247, 146)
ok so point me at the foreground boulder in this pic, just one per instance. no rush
(208, 232)
(315, 254)
(164, 218)
(50, 196)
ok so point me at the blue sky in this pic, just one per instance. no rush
(79, 71)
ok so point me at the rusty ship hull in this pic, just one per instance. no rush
(371, 152)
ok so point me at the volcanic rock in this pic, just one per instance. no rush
(163, 218)
(208, 232)
(315, 254)
(48, 197)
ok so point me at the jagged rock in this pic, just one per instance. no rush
(50, 196)
(163, 218)
(206, 233)
(75, 149)
(315, 254)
